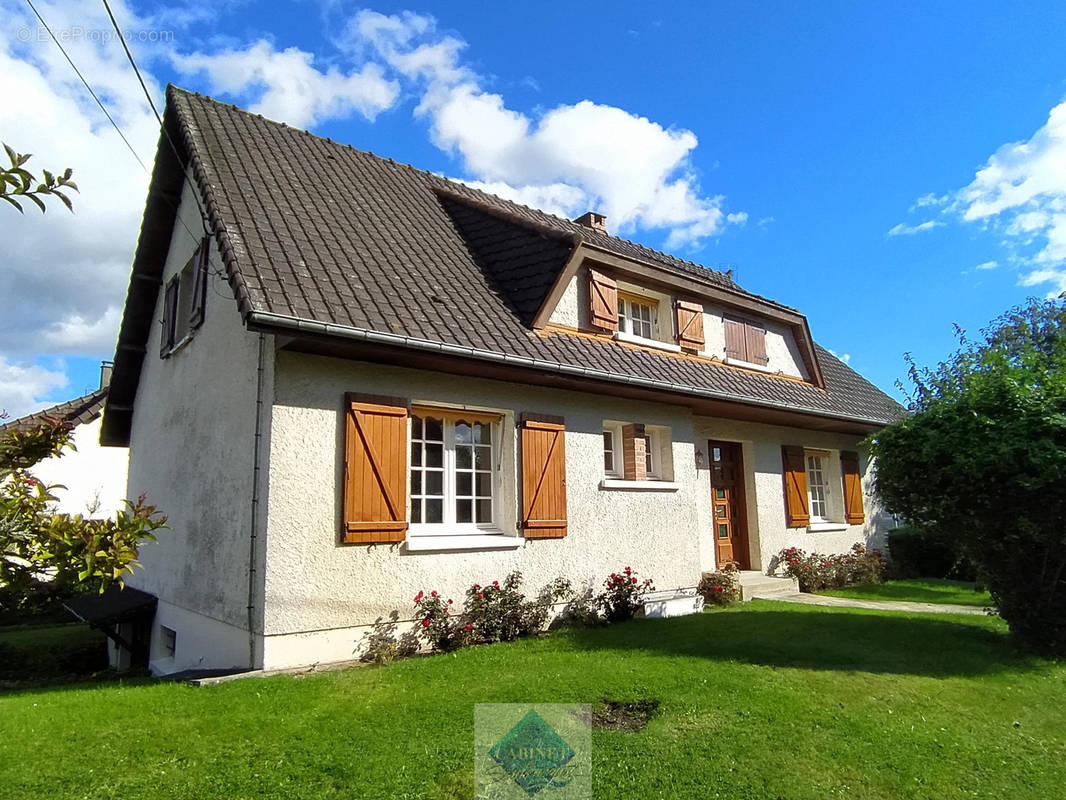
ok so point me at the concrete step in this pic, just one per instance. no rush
(755, 584)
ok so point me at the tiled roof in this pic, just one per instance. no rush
(73, 412)
(316, 231)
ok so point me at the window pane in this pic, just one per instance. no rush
(435, 430)
(463, 434)
(484, 511)
(416, 483)
(483, 458)
(484, 484)
(435, 483)
(434, 511)
(435, 455)
(463, 484)
(483, 433)
(416, 511)
(723, 531)
(464, 511)
(416, 454)
(608, 451)
(720, 494)
(416, 427)
(463, 458)
(647, 454)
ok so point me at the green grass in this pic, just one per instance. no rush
(767, 700)
(918, 590)
(34, 636)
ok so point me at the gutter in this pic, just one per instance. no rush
(271, 320)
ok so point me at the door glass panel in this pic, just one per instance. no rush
(721, 511)
(723, 531)
(717, 454)
(719, 494)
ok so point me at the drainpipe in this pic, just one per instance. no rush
(252, 534)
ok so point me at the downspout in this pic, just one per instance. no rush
(253, 534)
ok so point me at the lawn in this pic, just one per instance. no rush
(766, 700)
(918, 590)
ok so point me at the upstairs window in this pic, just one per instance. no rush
(637, 316)
(184, 301)
(745, 342)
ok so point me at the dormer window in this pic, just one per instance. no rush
(637, 316)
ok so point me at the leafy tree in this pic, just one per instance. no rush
(17, 181)
(982, 462)
(44, 554)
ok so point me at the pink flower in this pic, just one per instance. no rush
(418, 597)
(628, 570)
(432, 594)
(425, 622)
(633, 579)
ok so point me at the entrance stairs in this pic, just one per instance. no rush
(756, 585)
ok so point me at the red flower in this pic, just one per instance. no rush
(432, 594)
(449, 602)
(418, 597)
(425, 622)
(633, 579)
(734, 591)
(469, 626)
(718, 588)
(480, 596)
(628, 570)
(613, 576)
(496, 584)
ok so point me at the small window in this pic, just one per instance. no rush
(817, 487)
(610, 456)
(184, 301)
(652, 456)
(169, 640)
(617, 452)
(746, 342)
(637, 316)
(453, 470)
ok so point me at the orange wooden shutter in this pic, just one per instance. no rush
(375, 469)
(849, 468)
(797, 514)
(690, 324)
(756, 341)
(603, 301)
(735, 344)
(543, 477)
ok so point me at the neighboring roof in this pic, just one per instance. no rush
(73, 412)
(316, 233)
(114, 605)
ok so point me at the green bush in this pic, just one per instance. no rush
(720, 588)
(816, 571)
(919, 553)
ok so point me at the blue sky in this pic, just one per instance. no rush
(854, 160)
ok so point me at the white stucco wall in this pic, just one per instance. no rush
(94, 476)
(572, 308)
(191, 452)
(764, 490)
(315, 586)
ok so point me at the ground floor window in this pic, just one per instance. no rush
(453, 469)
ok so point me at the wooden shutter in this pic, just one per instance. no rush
(849, 468)
(170, 318)
(375, 469)
(199, 286)
(543, 477)
(689, 324)
(735, 341)
(797, 513)
(756, 341)
(603, 301)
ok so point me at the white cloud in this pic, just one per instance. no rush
(288, 87)
(846, 357)
(1021, 191)
(23, 384)
(902, 229)
(987, 265)
(631, 168)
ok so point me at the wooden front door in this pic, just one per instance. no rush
(727, 501)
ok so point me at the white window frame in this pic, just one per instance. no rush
(653, 454)
(181, 323)
(448, 526)
(653, 446)
(823, 470)
(614, 431)
(626, 301)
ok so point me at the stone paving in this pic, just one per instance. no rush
(874, 605)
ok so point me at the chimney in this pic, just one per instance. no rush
(593, 221)
(106, 368)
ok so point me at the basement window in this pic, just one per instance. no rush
(169, 640)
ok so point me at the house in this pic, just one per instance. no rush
(93, 477)
(345, 380)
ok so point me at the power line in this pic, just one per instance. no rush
(86, 84)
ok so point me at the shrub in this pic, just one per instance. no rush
(623, 595)
(920, 553)
(721, 588)
(381, 645)
(492, 613)
(815, 571)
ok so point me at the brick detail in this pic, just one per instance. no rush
(634, 452)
